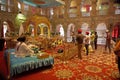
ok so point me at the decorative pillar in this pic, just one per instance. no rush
(67, 5)
(79, 8)
(55, 12)
(34, 31)
(93, 12)
(48, 32)
(65, 31)
(16, 6)
(111, 10)
(41, 28)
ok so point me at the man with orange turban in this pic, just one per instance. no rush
(79, 39)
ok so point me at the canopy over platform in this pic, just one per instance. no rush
(36, 21)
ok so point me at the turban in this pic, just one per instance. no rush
(79, 30)
(87, 33)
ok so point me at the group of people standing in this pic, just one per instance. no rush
(86, 41)
(91, 39)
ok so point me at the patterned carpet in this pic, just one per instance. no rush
(95, 66)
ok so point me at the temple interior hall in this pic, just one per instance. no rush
(49, 49)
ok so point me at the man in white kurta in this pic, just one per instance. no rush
(22, 49)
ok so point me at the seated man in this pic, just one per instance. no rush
(22, 48)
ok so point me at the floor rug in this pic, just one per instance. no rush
(95, 66)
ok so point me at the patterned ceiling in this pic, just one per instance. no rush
(43, 3)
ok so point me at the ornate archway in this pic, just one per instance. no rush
(70, 29)
(101, 31)
(37, 21)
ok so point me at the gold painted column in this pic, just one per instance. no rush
(67, 5)
(79, 8)
(111, 13)
(41, 28)
(15, 6)
(111, 10)
(55, 12)
(48, 33)
(65, 31)
(35, 30)
(93, 12)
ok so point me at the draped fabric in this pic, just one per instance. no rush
(115, 32)
(88, 8)
(3, 65)
(19, 65)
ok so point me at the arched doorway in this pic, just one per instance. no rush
(70, 30)
(85, 27)
(31, 30)
(40, 23)
(101, 31)
(7, 29)
(60, 30)
(43, 29)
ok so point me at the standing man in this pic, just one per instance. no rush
(92, 37)
(87, 42)
(79, 39)
(95, 40)
(73, 37)
(108, 41)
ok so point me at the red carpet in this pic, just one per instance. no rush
(95, 66)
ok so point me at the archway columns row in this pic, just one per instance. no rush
(100, 28)
(93, 12)
(41, 31)
(92, 21)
